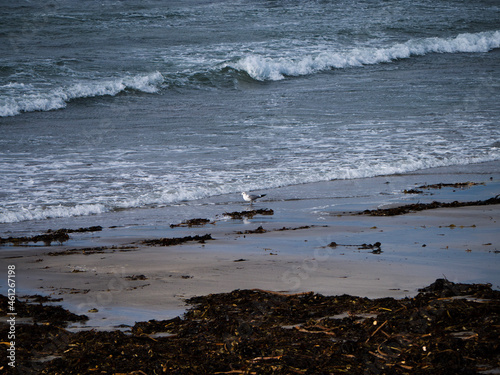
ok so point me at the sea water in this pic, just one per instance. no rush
(116, 105)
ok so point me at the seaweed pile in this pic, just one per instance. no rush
(191, 223)
(93, 250)
(249, 214)
(40, 313)
(375, 248)
(401, 210)
(458, 185)
(237, 215)
(177, 240)
(447, 328)
(59, 235)
(47, 238)
(261, 230)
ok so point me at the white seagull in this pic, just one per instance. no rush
(252, 197)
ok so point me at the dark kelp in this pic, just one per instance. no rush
(191, 223)
(447, 328)
(457, 185)
(427, 206)
(375, 248)
(261, 230)
(59, 235)
(34, 308)
(46, 238)
(93, 250)
(249, 214)
(177, 240)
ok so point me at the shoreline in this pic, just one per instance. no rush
(124, 280)
(341, 195)
(317, 279)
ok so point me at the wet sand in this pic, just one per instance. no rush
(115, 279)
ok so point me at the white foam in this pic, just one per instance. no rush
(168, 191)
(263, 68)
(31, 212)
(37, 100)
(15, 85)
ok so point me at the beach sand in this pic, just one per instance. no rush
(122, 280)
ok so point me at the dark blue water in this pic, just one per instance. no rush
(119, 104)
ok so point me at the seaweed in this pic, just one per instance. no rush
(177, 240)
(59, 235)
(447, 328)
(41, 313)
(249, 214)
(46, 238)
(461, 185)
(401, 210)
(295, 228)
(259, 230)
(412, 191)
(96, 228)
(136, 277)
(375, 248)
(191, 223)
(92, 250)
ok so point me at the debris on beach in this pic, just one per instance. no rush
(262, 230)
(93, 250)
(96, 228)
(259, 230)
(248, 214)
(136, 277)
(458, 185)
(177, 240)
(412, 191)
(59, 235)
(33, 307)
(192, 223)
(296, 228)
(401, 210)
(447, 328)
(37, 298)
(453, 226)
(375, 248)
(47, 238)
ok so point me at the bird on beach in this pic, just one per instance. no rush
(252, 197)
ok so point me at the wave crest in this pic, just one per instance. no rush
(40, 213)
(59, 97)
(262, 68)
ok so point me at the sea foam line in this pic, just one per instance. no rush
(31, 212)
(183, 192)
(264, 68)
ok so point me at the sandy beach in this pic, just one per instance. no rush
(322, 245)
(131, 134)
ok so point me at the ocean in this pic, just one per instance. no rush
(108, 106)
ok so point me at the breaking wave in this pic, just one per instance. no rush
(225, 183)
(264, 68)
(25, 213)
(259, 66)
(29, 99)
